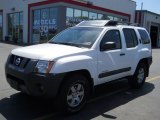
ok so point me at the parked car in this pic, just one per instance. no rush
(71, 64)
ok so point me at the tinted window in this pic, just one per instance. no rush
(144, 36)
(130, 37)
(112, 36)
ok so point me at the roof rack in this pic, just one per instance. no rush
(127, 23)
(104, 23)
(115, 23)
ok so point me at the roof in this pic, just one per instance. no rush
(148, 12)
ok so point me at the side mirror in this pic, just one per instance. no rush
(108, 46)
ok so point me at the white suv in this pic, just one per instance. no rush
(71, 64)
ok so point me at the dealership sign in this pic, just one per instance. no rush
(72, 21)
(45, 22)
(44, 25)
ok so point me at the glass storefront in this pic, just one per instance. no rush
(44, 24)
(74, 16)
(15, 27)
(1, 25)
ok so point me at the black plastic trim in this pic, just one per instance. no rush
(106, 74)
(35, 84)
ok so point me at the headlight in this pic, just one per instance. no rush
(43, 66)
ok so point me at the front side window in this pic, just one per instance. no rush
(144, 36)
(130, 37)
(112, 36)
(80, 37)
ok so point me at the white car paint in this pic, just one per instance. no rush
(47, 51)
(69, 58)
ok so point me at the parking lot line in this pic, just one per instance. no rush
(154, 78)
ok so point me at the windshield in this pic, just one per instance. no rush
(77, 36)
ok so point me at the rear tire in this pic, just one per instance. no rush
(73, 94)
(138, 79)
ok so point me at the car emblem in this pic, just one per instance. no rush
(18, 61)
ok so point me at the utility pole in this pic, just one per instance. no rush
(142, 6)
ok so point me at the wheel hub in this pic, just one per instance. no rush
(141, 75)
(75, 95)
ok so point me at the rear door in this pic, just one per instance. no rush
(131, 54)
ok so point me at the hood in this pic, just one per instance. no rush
(47, 51)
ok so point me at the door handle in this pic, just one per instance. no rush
(122, 54)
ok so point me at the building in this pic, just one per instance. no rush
(37, 21)
(151, 21)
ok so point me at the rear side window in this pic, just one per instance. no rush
(144, 36)
(130, 37)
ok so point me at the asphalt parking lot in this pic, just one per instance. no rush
(110, 101)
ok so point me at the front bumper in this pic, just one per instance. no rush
(23, 79)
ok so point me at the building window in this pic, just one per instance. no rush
(77, 13)
(36, 26)
(52, 29)
(85, 15)
(100, 17)
(21, 26)
(69, 17)
(116, 19)
(1, 25)
(110, 18)
(75, 16)
(92, 16)
(44, 24)
(15, 26)
(69, 12)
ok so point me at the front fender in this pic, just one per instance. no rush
(74, 63)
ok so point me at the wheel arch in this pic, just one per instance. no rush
(83, 72)
(146, 62)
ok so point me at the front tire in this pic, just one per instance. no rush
(73, 94)
(138, 79)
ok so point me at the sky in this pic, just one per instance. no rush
(150, 5)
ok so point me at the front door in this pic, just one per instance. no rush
(111, 63)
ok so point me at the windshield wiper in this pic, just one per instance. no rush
(70, 44)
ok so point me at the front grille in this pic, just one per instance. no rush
(19, 61)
